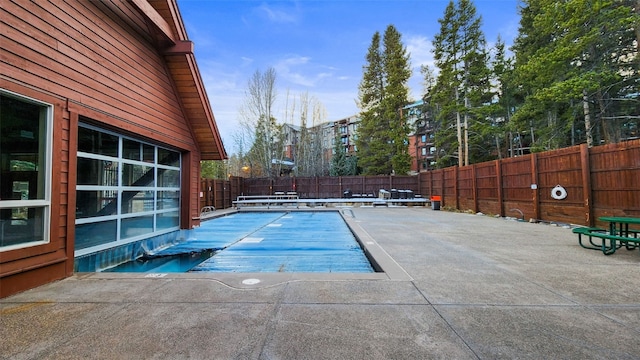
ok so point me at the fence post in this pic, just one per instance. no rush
(216, 193)
(585, 166)
(442, 188)
(430, 184)
(203, 193)
(499, 187)
(474, 186)
(535, 189)
(456, 193)
(227, 193)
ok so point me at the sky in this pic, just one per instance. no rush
(317, 47)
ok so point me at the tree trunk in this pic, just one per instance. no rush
(587, 117)
(511, 149)
(638, 29)
(466, 136)
(459, 131)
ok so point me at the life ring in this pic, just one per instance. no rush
(558, 192)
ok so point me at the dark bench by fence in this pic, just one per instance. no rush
(609, 243)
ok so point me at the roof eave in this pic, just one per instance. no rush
(165, 21)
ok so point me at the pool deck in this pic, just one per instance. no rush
(458, 286)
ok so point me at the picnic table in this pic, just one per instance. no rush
(619, 225)
(617, 236)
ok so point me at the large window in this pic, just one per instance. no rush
(127, 190)
(25, 168)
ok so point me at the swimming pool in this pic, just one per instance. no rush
(295, 241)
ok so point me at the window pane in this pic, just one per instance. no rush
(22, 145)
(96, 203)
(137, 175)
(137, 201)
(168, 157)
(140, 225)
(168, 199)
(97, 172)
(148, 153)
(96, 142)
(167, 220)
(21, 225)
(131, 149)
(88, 235)
(168, 178)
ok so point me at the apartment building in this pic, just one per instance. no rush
(422, 147)
(421, 137)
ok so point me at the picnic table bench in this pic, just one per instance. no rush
(617, 236)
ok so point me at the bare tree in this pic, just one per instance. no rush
(258, 124)
(310, 161)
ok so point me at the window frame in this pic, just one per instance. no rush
(120, 188)
(45, 202)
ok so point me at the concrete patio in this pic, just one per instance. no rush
(457, 286)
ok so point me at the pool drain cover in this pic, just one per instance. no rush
(250, 281)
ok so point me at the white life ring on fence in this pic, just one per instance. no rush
(558, 192)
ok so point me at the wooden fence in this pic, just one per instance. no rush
(592, 182)
(220, 193)
(598, 181)
(329, 187)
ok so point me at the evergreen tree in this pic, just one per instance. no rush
(502, 104)
(214, 169)
(373, 145)
(339, 159)
(397, 71)
(576, 60)
(382, 134)
(475, 84)
(462, 86)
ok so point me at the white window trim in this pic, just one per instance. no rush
(45, 203)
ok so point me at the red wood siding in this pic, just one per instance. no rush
(73, 51)
(94, 59)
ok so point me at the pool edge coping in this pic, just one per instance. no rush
(386, 267)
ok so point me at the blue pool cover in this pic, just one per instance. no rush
(220, 233)
(292, 242)
(262, 242)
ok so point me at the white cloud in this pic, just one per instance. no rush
(278, 15)
(246, 61)
(225, 90)
(296, 60)
(419, 47)
(295, 69)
